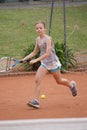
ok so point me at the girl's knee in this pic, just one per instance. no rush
(59, 81)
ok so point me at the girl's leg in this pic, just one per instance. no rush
(41, 72)
(63, 81)
(60, 80)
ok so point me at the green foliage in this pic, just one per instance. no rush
(35, 66)
(17, 31)
(17, 28)
(67, 62)
(67, 58)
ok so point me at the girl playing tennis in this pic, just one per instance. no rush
(49, 62)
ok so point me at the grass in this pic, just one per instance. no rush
(17, 29)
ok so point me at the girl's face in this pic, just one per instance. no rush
(40, 29)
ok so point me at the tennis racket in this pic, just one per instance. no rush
(14, 62)
(8, 63)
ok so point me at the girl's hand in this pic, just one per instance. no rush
(33, 61)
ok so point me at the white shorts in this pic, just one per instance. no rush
(51, 68)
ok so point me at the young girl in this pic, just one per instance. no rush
(49, 62)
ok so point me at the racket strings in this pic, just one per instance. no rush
(12, 63)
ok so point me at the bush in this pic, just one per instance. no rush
(35, 66)
(67, 62)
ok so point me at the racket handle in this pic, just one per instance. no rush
(21, 61)
(27, 60)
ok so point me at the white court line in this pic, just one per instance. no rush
(45, 124)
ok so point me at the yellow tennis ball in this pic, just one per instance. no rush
(43, 96)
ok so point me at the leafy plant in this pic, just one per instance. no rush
(68, 60)
(35, 66)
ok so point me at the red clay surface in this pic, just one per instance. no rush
(15, 91)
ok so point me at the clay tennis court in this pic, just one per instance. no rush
(15, 91)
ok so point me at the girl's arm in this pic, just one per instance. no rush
(47, 54)
(32, 54)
